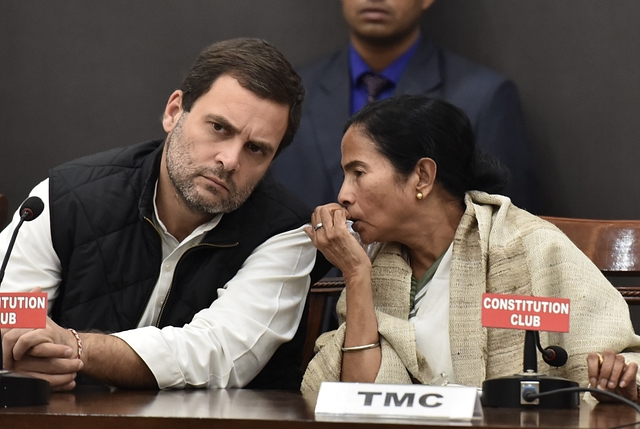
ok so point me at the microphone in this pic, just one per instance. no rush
(552, 355)
(529, 388)
(17, 389)
(555, 356)
(29, 210)
(515, 391)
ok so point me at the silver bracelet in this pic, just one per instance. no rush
(357, 348)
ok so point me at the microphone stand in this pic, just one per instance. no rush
(18, 390)
(23, 217)
(508, 392)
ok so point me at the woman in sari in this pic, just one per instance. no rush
(423, 199)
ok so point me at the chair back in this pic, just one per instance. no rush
(4, 210)
(319, 295)
(612, 245)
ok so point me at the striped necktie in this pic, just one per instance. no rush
(374, 84)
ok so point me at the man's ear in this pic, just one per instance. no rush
(172, 111)
(426, 169)
(426, 4)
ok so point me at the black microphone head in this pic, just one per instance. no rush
(555, 356)
(31, 208)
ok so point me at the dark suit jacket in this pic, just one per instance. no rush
(311, 166)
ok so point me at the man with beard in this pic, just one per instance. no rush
(197, 266)
(388, 55)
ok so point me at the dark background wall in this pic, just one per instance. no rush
(81, 76)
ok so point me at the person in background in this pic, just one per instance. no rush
(418, 191)
(388, 54)
(198, 266)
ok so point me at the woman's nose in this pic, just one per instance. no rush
(345, 196)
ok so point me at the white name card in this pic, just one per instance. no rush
(399, 400)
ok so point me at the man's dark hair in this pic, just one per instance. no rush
(406, 128)
(258, 67)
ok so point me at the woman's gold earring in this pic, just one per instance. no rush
(419, 195)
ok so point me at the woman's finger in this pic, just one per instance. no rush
(593, 368)
(629, 375)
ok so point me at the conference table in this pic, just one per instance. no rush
(99, 407)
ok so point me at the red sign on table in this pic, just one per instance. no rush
(530, 313)
(23, 310)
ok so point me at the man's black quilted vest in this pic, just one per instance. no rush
(111, 254)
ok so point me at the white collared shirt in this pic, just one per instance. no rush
(172, 251)
(226, 344)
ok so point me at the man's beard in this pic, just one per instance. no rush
(182, 174)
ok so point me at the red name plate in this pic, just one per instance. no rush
(23, 310)
(530, 313)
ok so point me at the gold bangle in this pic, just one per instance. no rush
(358, 348)
(78, 342)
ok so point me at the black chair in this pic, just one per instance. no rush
(318, 297)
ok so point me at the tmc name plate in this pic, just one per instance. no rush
(399, 400)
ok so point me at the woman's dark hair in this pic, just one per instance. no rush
(258, 67)
(407, 128)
